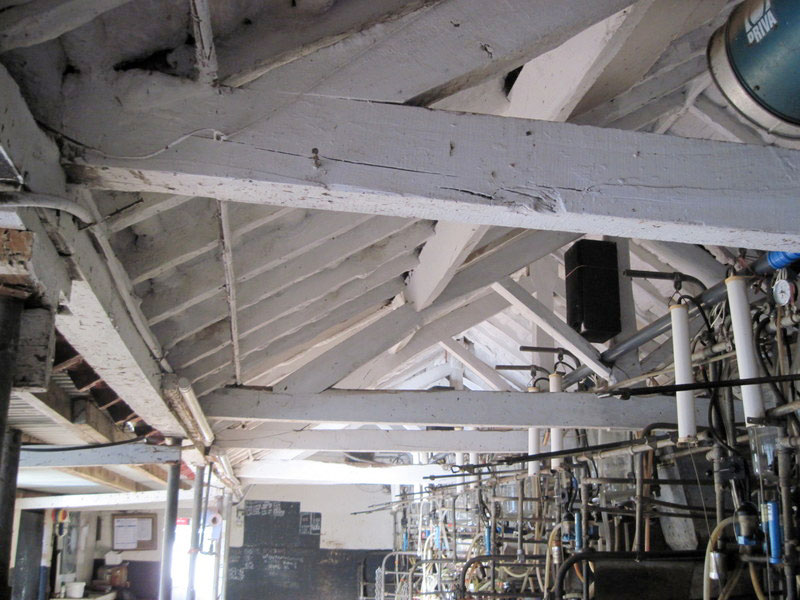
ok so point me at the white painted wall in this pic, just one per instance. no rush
(340, 529)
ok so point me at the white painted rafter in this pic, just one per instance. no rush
(620, 183)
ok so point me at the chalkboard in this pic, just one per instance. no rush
(281, 558)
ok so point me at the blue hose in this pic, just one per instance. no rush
(779, 260)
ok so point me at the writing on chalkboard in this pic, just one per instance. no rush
(264, 509)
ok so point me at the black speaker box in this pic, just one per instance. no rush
(593, 308)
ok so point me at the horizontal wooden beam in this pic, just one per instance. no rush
(132, 500)
(364, 157)
(325, 473)
(38, 21)
(375, 440)
(445, 408)
(126, 454)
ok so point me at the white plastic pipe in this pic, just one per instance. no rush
(534, 447)
(556, 433)
(682, 354)
(745, 346)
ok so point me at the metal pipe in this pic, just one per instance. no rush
(520, 521)
(188, 395)
(711, 296)
(556, 433)
(9, 465)
(674, 276)
(10, 317)
(584, 537)
(27, 200)
(225, 542)
(785, 485)
(170, 518)
(719, 499)
(194, 542)
(638, 535)
(682, 356)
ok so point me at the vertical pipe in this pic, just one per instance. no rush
(194, 542)
(47, 556)
(682, 353)
(9, 464)
(716, 460)
(10, 316)
(556, 433)
(584, 531)
(225, 542)
(520, 522)
(170, 517)
(639, 524)
(534, 447)
(745, 346)
(785, 485)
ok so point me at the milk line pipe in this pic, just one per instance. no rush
(711, 296)
(684, 374)
(626, 393)
(647, 441)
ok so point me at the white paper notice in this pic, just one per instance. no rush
(144, 530)
(125, 534)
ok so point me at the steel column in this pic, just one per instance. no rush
(10, 316)
(9, 463)
(170, 517)
(194, 544)
(225, 542)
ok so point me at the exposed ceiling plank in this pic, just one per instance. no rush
(259, 251)
(375, 440)
(486, 373)
(439, 260)
(619, 183)
(511, 256)
(724, 121)
(442, 408)
(146, 207)
(449, 46)
(328, 288)
(324, 473)
(340, 361)
(546, 320)
(126, 454)
(653, 25)
(105, 477)
(38, 21)
(310, 318)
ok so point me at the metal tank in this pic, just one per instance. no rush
(755, 60)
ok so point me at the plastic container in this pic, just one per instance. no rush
(76, 589)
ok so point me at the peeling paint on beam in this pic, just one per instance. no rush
(446, 408)
(370, 160)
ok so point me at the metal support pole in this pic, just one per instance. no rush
(9, 464)
(194, 543)
(639, 524)
(225, 542)
(785, 484)
(719, 499)
(170, 517)
(585, 537)
(10, 316)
